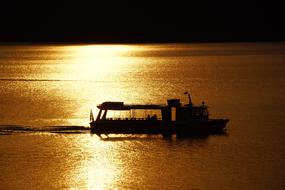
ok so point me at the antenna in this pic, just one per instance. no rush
(190, 102)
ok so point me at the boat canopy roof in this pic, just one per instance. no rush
(122, 106)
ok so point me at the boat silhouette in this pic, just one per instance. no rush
(188, 119)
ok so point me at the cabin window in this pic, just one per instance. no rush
(173, 114)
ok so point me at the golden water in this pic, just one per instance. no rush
(57, 85)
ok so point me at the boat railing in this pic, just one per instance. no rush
(131, 119)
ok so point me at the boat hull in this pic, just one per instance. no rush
(158, 127)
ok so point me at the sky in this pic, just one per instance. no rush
(141, 21)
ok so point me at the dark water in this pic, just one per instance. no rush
(47, 91)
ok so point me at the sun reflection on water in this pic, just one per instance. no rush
(91, 74)
(101, 50)
(98, 73)
(100, 167)
(94, 62)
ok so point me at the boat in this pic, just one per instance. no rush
(174, 118)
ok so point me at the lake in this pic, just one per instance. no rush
(47, 92)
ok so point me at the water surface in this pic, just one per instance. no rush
(47, 91)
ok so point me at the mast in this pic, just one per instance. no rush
(189, 97)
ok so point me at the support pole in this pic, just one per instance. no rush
(99, 115)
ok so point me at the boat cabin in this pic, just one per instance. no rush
(173, 111)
